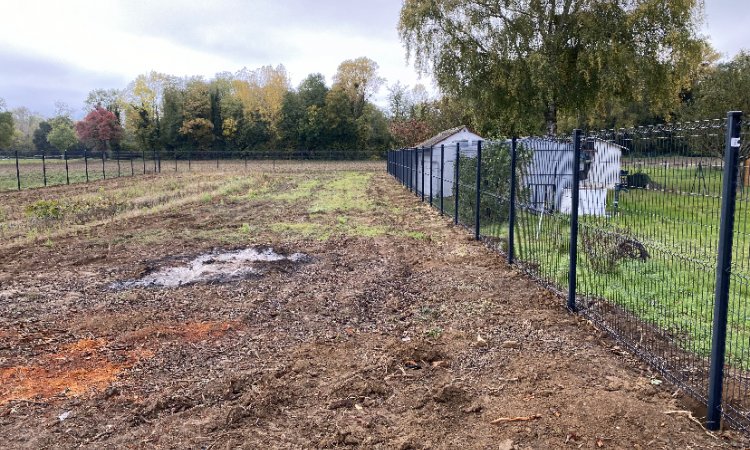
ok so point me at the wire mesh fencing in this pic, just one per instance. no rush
(645, 231)
(19, 172)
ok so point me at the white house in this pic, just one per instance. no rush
(448, 140)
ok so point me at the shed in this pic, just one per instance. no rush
(449, 141)
(548, 176)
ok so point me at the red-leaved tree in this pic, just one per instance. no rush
(99, 129)
(410, 132)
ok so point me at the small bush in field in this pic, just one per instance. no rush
(46, 210)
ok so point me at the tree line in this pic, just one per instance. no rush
(238, 113)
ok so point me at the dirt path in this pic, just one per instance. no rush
(400, 332)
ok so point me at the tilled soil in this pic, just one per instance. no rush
(384, 341)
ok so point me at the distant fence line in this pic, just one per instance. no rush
(21, 172)
(644, 231)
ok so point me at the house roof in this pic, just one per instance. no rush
(440, 137)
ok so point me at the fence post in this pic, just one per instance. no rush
(402, 169)
(456, 183)
(117, 155)
(174, 153)
(573, 263)
(44, 171)
(132, 168)
(421, 163)
(432, 180)
(479, 190)
(143, 155)
(67, 172)
(723, 272)
(512, 209)
(104, 171)
(86, 164)
(18, 172)
(416, 174)
(442, 177)
(409, 160)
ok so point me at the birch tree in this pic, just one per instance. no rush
(531, 61)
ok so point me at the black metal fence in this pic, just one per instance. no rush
(22, 172)
(645, 231)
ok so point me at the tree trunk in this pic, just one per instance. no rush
(550, 118)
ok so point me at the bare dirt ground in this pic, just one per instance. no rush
(400, 332)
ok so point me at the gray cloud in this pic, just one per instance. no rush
(38, 83)
(726, 26)
(260, 32)
(205, 37)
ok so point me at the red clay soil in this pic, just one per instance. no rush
(384, 342)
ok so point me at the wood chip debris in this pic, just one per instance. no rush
(516, 419)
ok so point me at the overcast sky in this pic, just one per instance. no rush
(60, 50)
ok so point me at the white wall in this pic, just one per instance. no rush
(449, 144)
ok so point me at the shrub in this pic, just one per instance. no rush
(606, 249)
(45, 210)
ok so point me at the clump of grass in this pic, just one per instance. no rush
(302, 190)
(434, 332)
(245, 228)
(45, 210)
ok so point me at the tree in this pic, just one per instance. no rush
(63, 109)
(143, 101)
(256, 132)
(6, 129)
(526, 60)
(313, 90)
(399, 102)
(99, 129)
(173, 117)
(200, 131)
(410, 132)
(262, 93)
(40, 138)
(292, 120)
(341, 128)
(62, 135)
(197, 101)
(25, 122)
(110, 99)
(724, 87)
(359, 79)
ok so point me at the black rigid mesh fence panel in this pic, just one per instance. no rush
(649, 212)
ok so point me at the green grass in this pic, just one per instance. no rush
(303, 189)
(674, 288)
(345, 193)
(32, 173)
(677, 221)
(337, 205)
